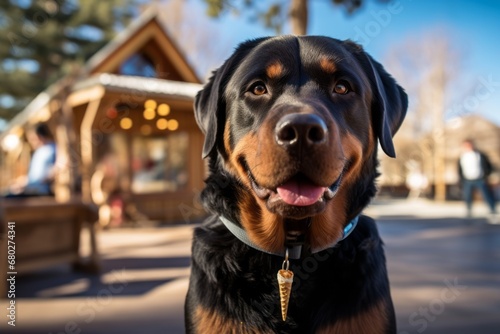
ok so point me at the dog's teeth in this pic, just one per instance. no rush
(328, 194)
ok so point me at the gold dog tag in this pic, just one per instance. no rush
(285, 280)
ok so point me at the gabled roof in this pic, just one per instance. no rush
(146, 28)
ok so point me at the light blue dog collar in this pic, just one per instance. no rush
(294, 252)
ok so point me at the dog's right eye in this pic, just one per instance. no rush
(258, 88)
(342, 87)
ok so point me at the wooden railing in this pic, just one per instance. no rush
(45, 233)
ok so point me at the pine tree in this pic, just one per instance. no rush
(41, 40)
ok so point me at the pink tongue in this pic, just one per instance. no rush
(300, 193)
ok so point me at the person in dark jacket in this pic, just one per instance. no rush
(474, 167)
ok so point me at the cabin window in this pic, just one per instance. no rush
(139, 65)
(160, 163)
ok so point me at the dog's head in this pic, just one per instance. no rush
(291, 127)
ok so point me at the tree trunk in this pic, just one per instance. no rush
(439, 80)
(298, 17)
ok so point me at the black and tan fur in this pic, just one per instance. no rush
(340, 104)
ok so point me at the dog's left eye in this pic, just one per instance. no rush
(342, 88)
(258, 88)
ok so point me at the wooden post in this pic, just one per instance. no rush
(66, 163)
(67, 158)
(86, 147)
(3, 248)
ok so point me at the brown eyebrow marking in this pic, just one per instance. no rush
(274, 70)
(327, 65)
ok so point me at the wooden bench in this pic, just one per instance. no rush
(47, 233)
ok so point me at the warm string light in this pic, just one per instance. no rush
(163, 109)
(126, 123)
(151, 110)
(149, 114)
(173, 125)
(150, 104)
(162, 124)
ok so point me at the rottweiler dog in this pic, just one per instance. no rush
(292, 125)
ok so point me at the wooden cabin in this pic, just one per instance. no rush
(133, 103)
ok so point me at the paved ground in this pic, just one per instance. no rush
(444, 271)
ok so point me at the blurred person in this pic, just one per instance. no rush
(105, 187)
(416, 180)
(474, 167)
(41, 170)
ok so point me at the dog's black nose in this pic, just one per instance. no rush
(301, 130)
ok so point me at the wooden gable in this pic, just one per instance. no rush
(145, 37)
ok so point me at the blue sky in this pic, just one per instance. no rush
(474, 28)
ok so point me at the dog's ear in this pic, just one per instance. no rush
(209, 109)
(391, 103)
(210, 104)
